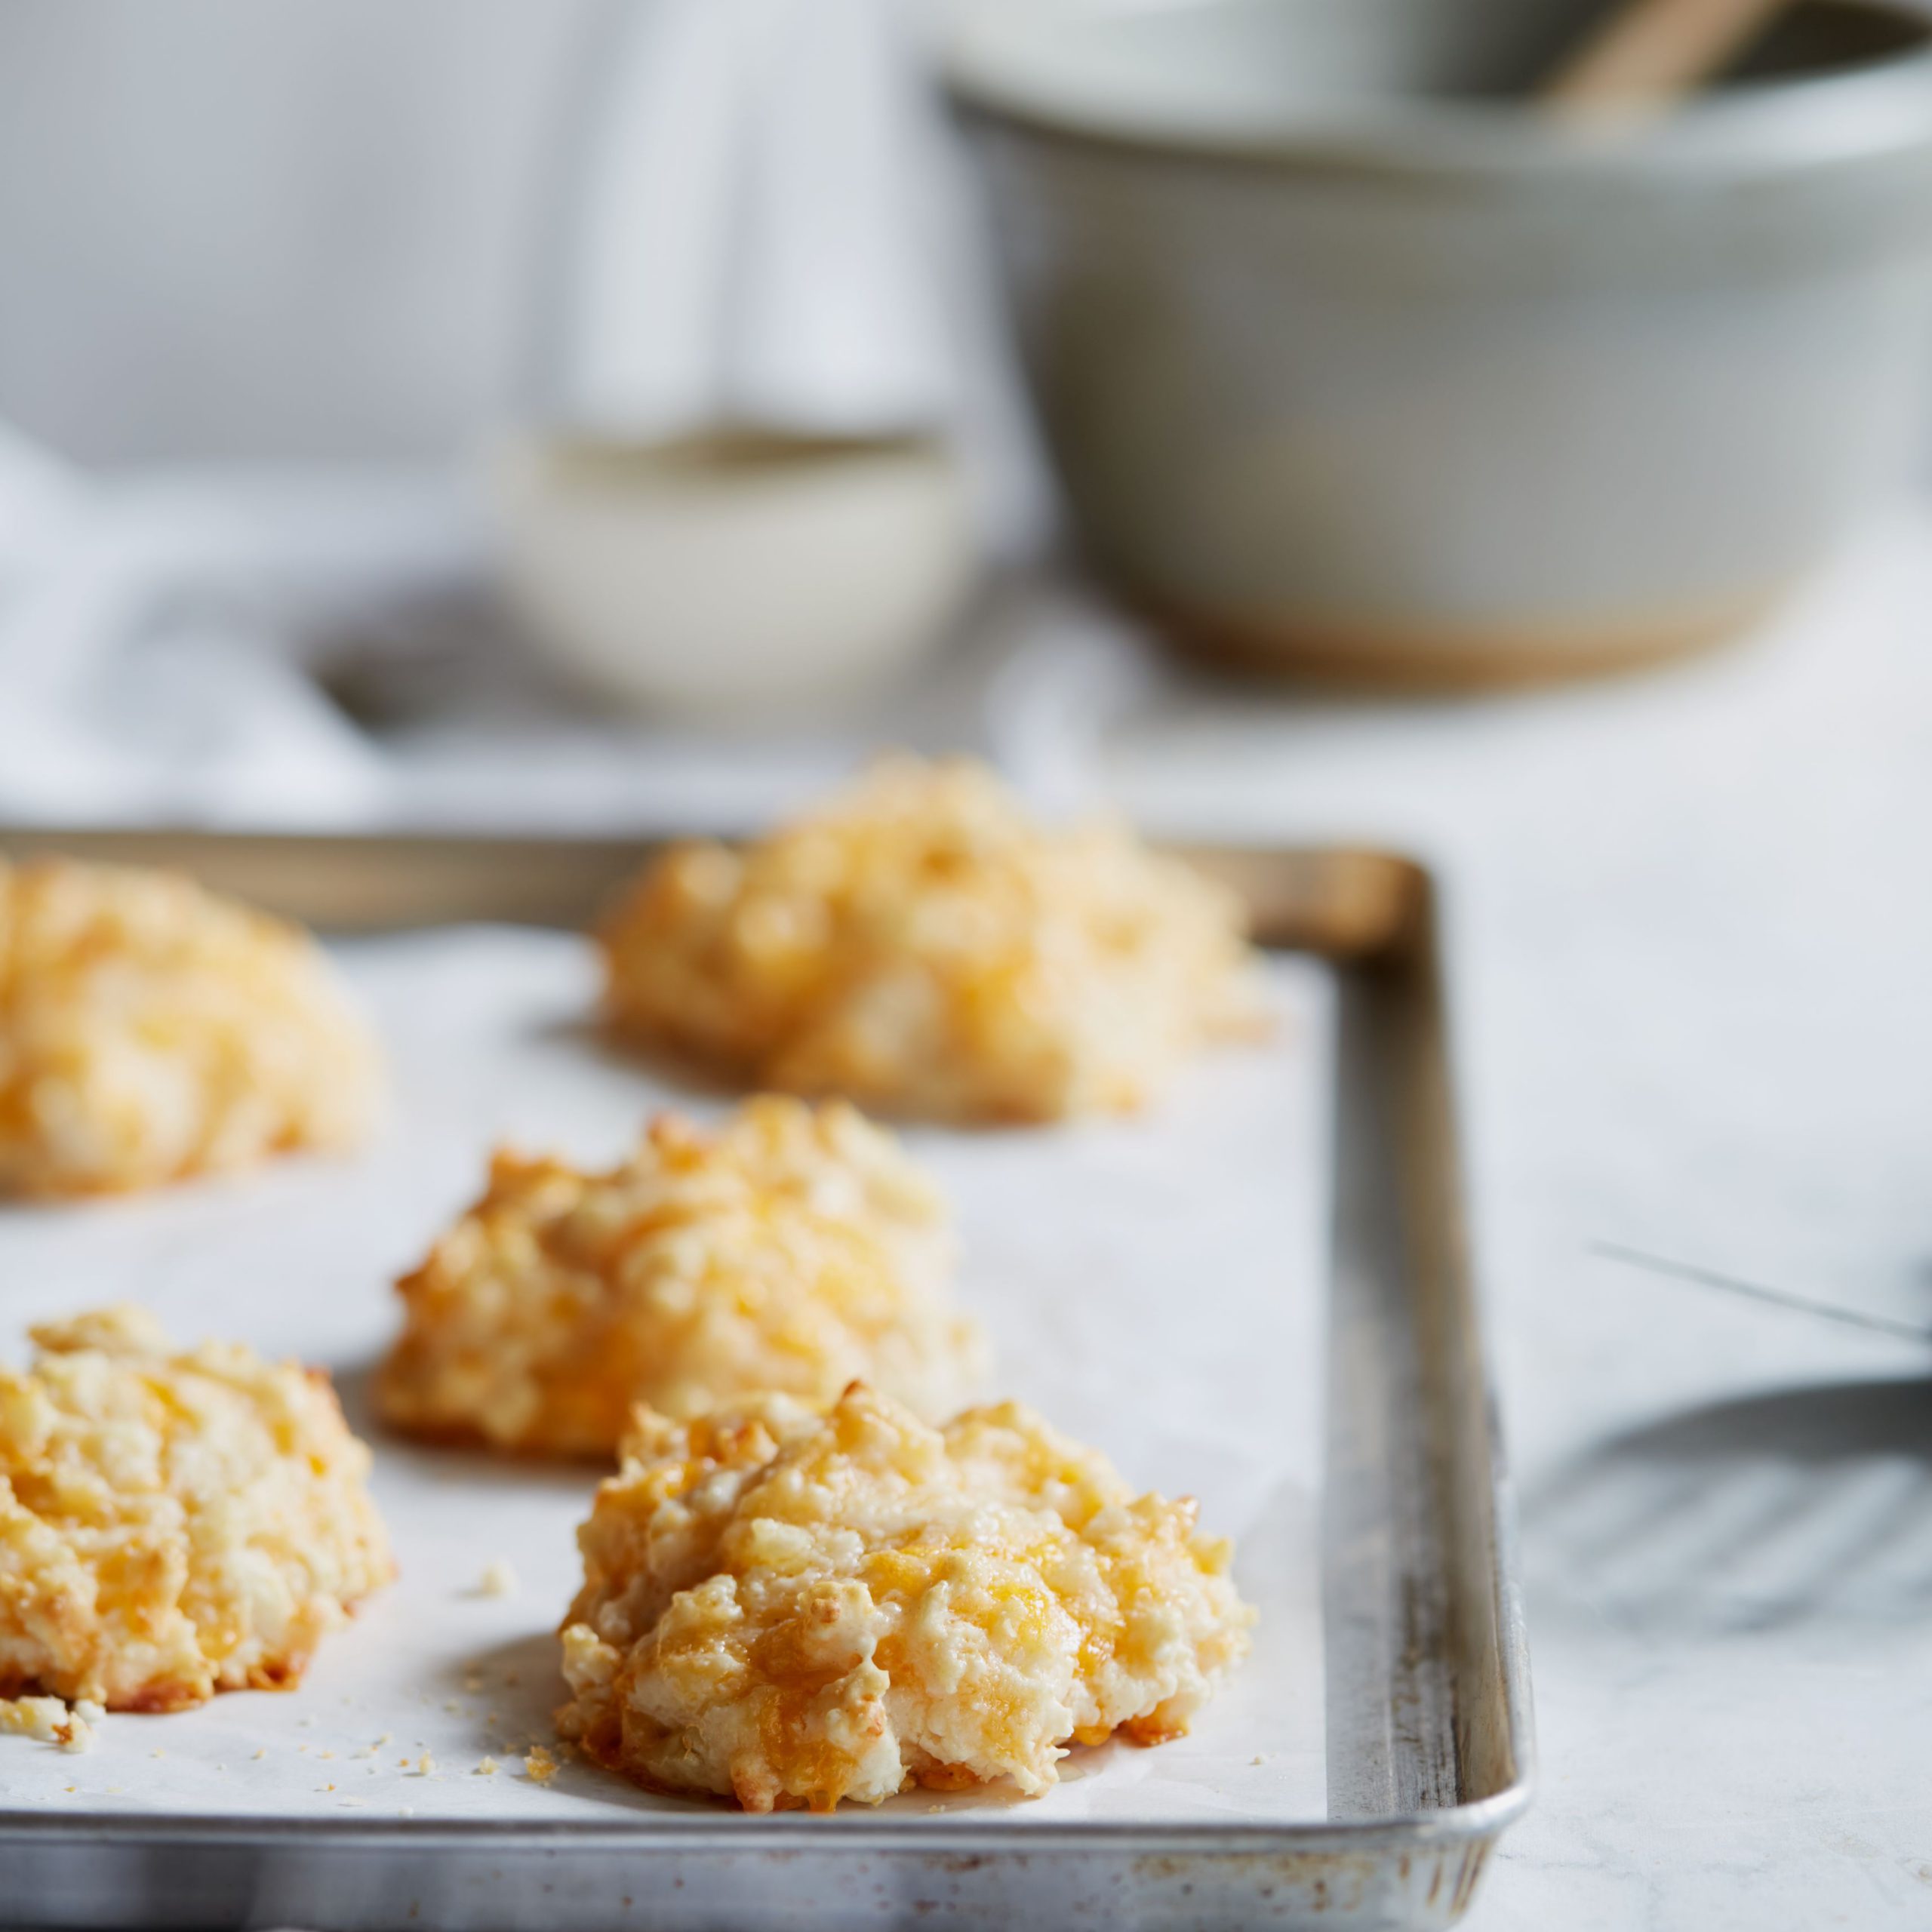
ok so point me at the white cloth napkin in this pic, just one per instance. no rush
(150, 666)
(760, 224)
(161, 636)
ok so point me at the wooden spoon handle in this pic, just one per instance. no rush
(1649, 53)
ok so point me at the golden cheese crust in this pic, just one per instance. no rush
(921, 945)
(173, 1523)
(791, 1607)
(793, 1248)
(150, 1031)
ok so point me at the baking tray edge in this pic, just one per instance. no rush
(1431, 1738)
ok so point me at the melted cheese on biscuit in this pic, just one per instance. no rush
(792, 1607)
(921, 945)
(173, 1523)
(149, 1030)
(793, 1249)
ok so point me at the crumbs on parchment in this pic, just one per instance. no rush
(498, 1579)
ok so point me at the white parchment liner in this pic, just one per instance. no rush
(1153, 1287)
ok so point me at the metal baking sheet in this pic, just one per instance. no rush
(1414, 1716)
(1152, 1285)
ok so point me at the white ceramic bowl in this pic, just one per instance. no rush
(732, 574)
(1350, 361)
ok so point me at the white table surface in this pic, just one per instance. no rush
(1691, 924)
(1693, 957)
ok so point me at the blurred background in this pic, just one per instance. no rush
(275, 232)
(302, 291)
(325, 230)
(603, 375)
(1367, 419)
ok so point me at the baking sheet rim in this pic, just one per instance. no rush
(1359, 906)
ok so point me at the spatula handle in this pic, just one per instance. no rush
(1649, 53)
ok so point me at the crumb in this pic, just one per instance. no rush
(405, 1810)
(498, 1579)
(50, 1720)
(157, 1753)
(328, 1787)
(324, 1754)
(425, 1765)
(539, 1766)
(384, 1739)
(263, 1753)
(450, 1704)
(487, 1768)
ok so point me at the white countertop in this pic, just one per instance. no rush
(1691, 924)
(1693, 956)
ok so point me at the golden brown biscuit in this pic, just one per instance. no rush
(921, 945)
(173, 1523)
(793, 1248)
(792, 1608)
(149, 1030)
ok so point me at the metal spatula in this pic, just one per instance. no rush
(1711, 1278)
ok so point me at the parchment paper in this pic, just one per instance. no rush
(1152, 1287)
